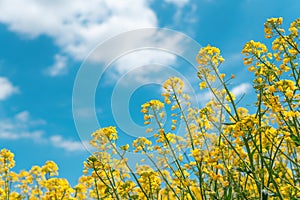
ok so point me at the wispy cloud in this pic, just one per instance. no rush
(59, 67)
(241, 89)
(179, 3)
(67, 144)
(6, 88)
(19, 127)
(22, 126)
(134, 51)
(233, 60)
(9, 135)
(185, 12)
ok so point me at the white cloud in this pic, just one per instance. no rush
(178, 3)
(141, 69)
(68, 145)
(23, 116)
(185, 14)
(135, 57)
(238, 90)
(59, 67)
(241, 89)
(6, 88)
(36, 135)
(19, 127)
(22, 126)
(76, 26)
(233, 60)
(204, 97)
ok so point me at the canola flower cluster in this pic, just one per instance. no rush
(225, 152)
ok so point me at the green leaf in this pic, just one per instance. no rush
(296, 139)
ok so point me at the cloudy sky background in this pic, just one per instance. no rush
(43, 44)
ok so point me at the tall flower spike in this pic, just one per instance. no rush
(270, 25)
(209, 56)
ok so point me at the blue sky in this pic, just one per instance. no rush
(44, 43)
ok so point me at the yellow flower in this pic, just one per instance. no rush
(225, 183)
(251, 68)
(202, 85)
(50, 168)
(125, 147)
(173, 127)
(142, 144)
(209, 55)
(109, 132)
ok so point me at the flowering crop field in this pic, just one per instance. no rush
(227, 152)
